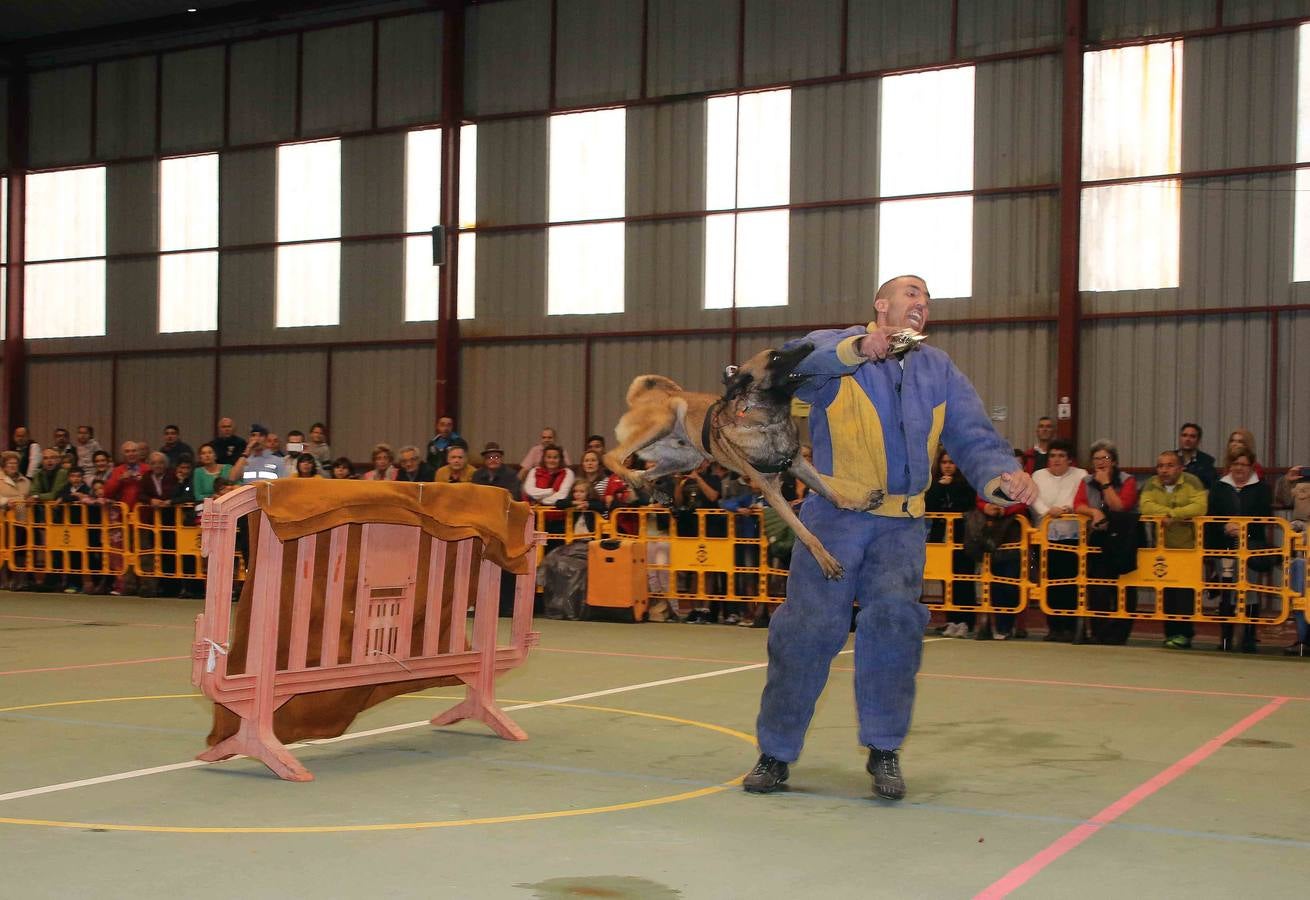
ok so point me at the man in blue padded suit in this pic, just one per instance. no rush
(875, 421)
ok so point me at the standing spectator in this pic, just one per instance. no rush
(494, 473)
(343, 469)
(596, 442)
(534, 455)
(1057, 485)
(227, 446)
(159, 484)
(1195, 461)
(125, 481)
(102, 466)
(51, 478)
(1293, 492)
(61, 444)
(261, 462)
(28, 450)
(210, 470)
(318, 446)
(551, 481)
(1177, 497)
(384, 464)
(1240, 439)
(1240, 492)
(1034, 458)
(15, 492)
(951, 493)
(174, 448)
(442, 441)
(413, 467)
(1001, 527)
(86, 448)
(273, 444)
(456, 470)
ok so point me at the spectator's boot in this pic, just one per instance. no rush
(885, 767)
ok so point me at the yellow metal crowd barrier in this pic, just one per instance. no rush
(95, 539)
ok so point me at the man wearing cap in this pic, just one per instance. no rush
(494, 473)
(261, 463)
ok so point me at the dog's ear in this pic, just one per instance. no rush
(735, 382)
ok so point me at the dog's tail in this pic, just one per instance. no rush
(643, 384)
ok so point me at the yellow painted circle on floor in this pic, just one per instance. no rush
(395, 826)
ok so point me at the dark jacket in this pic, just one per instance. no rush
(1226, 499)
(1202, 466)
(424, 473)
(956, 497)
(501, 478)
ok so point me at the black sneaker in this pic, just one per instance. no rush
(767, 776)
(885, 767)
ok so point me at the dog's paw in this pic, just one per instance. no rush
(661, 498)
(832, 570)
(874, 500)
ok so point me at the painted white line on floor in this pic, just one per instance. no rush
(103, 779)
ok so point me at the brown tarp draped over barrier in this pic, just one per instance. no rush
(296, 508)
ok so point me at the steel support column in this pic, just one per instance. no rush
(452, 115)
(1068, 322)
(15, 347)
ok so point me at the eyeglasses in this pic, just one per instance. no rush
(1101, 457)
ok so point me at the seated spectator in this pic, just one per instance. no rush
(28, 450)
(1241, 492)
(384, 464)
(550, 482)
(1057, 485)
(227, 446)
(306, 466)
(173, 447)
(535, 453)
(273, 444)
(1195, 461)
(951, 493)
(612, 490)
(596, 442)
(1178, 497)
(1108, 497)
(159, 483)
(204, 476)
(584, 508)
(262, 463)
(343, 469)
(102, 466)
(85, 448)
(441, 442)
(1035, 457)
(318, 446)
(457, 469)
(1293, 492)
(494, 473)
(413, 467)
(996, 527)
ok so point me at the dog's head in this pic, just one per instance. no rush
(769, 372)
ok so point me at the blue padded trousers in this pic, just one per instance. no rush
(884, 559)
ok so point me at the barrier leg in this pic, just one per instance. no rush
(479, 701)
(259, 743)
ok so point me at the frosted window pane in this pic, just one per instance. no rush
(188, 203)
(422, 280)
(4, 220)
(66, 214)
(931, 238)
(1129, 237)
(1301, 223)
(721, 152)
(587, 164)
(764, 149)
(309, 285)
(423, 180)
(468, 176)
(720, 241)
(762, 242)
(926, 133)
(188, 292)
(309, 191)
(1301, 252)
(1133, 111)
(467, 275)
(65, 299)
(585, 269)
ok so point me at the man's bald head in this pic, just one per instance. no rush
(885, 289)
(902, 302)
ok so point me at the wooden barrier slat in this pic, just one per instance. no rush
(432, 614)
(460, 600)
(332, 600)
(302, 601)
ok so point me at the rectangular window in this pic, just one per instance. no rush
(747, 165)
(422, 213)
(468, 218)
(1132, 126)
(925, 144)
(309, 209)
(585, 262)
(188, 224)
(1301, 223)
(65, 240)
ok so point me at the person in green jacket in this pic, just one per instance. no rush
(1178, 497)
(51, 478)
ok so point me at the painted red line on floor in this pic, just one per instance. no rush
(95, 622)
(743, 662)
(1022, 873)
(119, 662)
(1100, 685)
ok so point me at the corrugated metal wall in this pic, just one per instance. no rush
(1238, 110)
(67, 393)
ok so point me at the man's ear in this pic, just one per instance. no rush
(880, 305)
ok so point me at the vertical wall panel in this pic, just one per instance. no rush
(512, 175)
(60, 116)
(338, 80)
(1293, 439)
(1016, 259)
(132, 307)
(1239, 100)
(67, 393)
(599, 54)
(834, 268)
(893, 33)
(409, 69)
(248, 196)
(125, 107)
(1002, 26)
(192, 101)
(507, 53)
(373, 292)
(4, 123)
(665, 277)
(381, 396)
(499, 404)
(692, 46)
(132, 207)
(1236, 241)
(263, 83)
(787, 41)
(1241, 11)
(695, 363)
(1017, 122)
(172, 389)
(247, 283)
(666, 158)
(1109, 19)
(282, 390)
(1142, 379)
(373, 184)
(511, 284)
(834, 141)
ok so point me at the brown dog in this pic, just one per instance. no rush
(748, 430)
